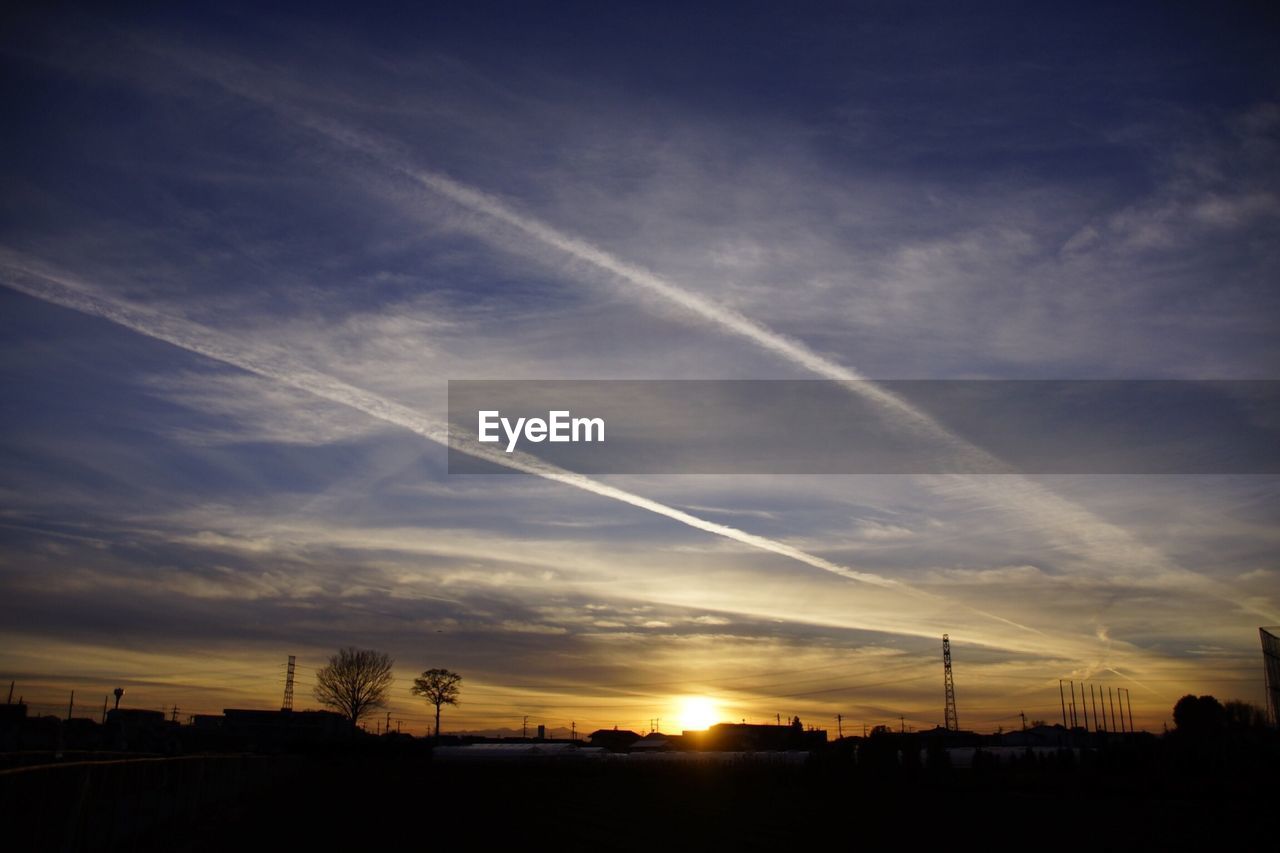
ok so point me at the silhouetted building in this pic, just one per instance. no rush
(13, 713)
(139, 729)
(283, 728)
(949, 737)
(749, 737)
(614, 740)
(1055, 736)
(658, 742)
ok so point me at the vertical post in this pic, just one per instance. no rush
(10, 702)
(71, 704)
(1093, 700)
(1062, 697)
(1073, 704)
(1112, 695)
(840, 726)
(1129, 696)
(104, 710)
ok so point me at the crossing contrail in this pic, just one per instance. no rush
(1064, 522)
(274, 364)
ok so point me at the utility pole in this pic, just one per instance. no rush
(840, 726)
(573, 731)
(1062, 697)
(524, 727)
(10, 702)
(902, 725)
(174, 718)
(71, 705)
(1023, 715)
(1073, 704)
(104, 710)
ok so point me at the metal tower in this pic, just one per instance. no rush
(1271, 672)
(953, 724)
(288, 686)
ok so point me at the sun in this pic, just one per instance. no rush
(697, 712)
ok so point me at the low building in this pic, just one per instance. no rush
(614, 740)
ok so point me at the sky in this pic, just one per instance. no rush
(243, 248)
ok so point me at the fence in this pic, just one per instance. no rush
(111, 805)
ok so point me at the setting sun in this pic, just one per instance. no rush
(697, 712)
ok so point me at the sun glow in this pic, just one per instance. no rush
(697, 712)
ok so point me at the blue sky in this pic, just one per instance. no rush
(346, 211)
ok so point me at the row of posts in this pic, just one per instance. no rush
(1076, 716)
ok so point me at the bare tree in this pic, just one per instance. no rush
(439, 687)
(354, 682)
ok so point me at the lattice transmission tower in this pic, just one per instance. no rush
(287, 705)
(953, 724)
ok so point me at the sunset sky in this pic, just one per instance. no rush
(243, 251)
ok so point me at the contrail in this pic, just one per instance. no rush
(1104, 542)
(276, 365)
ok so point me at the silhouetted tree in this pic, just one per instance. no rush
(1198, 716)
(439, 687)
(354, 682)
(1244, 716)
